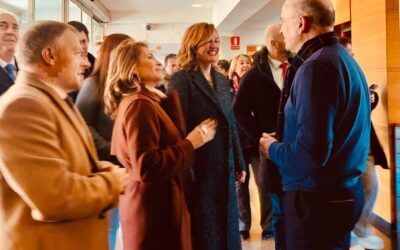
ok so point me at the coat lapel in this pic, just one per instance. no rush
(71, 113)
(223, 95)
(5, 81)
(201, 83)
(167, 115)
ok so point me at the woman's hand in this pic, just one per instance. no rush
(241, 176)
(202, 133)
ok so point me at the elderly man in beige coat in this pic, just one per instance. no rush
(53, 190)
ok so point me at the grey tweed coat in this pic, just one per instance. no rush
(213, 201)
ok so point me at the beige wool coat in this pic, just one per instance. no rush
(51, 194)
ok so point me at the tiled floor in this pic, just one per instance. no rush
(255, 242)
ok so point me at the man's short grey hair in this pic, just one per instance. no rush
(321, 14)
(39, 35)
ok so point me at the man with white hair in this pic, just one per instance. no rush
(325, 134)
(8, 40)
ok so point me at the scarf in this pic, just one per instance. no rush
(306, 51)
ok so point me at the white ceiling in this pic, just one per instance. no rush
(266, 15)
(228, 15)
(155, 5)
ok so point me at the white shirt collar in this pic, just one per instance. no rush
(3, 63)
(274, 63)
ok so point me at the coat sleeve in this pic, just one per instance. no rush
(240, 164)
(243, 107)
(33, 163)
(150, 162)
(88, 104)
(315, 99)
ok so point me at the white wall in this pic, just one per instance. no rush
(168, 27)
(162, 38)
(168, 37)
(254, 37)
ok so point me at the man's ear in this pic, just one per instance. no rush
(48, 55)
(272, 43)
(304, 24)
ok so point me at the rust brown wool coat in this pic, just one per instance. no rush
(153, 210)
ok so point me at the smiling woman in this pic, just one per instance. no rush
(149, 141)
(204, 93)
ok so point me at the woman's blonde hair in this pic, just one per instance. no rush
(195, 36)
(121, 77)
(234, 61)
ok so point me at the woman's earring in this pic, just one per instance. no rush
(136, 77)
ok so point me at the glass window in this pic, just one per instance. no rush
(74, 12)
(87, 21)
(19, 9)
(48, 10)
(98, 32)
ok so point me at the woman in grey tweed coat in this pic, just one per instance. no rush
(204, 93)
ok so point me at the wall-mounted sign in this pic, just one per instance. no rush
(235, 43)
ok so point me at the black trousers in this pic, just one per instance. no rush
(322, 221)
(243, 194)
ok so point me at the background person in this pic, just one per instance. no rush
(204, 93)
(90, 99)
(170, 67)
(223, 67)
(240, 64)
(256, 110)
(362, 236)
(148, 139)
(9, 29)
(84, 39)
(91, 105)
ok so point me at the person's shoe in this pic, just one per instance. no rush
(354, 239)
(356, 247)
(355, 242)
(371, 242)
(244, 235)
(266, 235)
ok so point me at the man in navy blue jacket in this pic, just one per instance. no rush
(8, 40)
(326, 131)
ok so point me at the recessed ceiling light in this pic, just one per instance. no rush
(196, 5)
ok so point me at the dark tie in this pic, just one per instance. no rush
(283, 67)
(70, 102)
(10, 71)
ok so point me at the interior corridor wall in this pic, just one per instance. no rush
(375, 32)
(166, 38)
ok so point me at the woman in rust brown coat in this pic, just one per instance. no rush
(148, 139)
